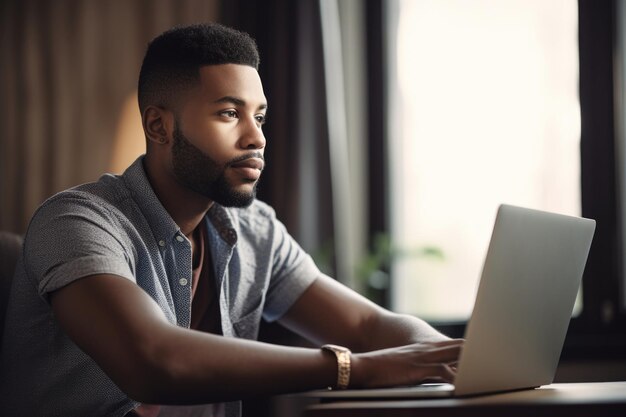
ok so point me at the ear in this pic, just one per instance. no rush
(158, 125)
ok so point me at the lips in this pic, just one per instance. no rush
(254, 163)
(249, 169)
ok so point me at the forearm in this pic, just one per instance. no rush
(387, 329)
(343, 317)
(190, 367)
(125, 332)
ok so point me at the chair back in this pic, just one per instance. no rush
(10, 249)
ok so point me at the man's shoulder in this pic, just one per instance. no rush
(101, 199)
(109, 188)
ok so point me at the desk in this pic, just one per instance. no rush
(606, 399)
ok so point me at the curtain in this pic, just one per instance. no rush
(66, 70)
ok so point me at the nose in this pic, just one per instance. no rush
(252, 137)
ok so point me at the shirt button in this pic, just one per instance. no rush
(180, 238)
(182, 281)
(161, 243)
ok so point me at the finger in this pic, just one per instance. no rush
(448, 373)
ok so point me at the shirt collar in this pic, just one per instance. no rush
(222, 220)
(159, 220)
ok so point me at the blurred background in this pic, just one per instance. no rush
(396, 128)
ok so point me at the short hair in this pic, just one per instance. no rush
(173, 59)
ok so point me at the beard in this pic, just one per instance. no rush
(198, 172)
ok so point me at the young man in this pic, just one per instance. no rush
(143, 288)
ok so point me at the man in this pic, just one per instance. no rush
(141, 292)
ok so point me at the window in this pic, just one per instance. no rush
(487, 112)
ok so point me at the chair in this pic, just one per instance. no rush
(10, 249)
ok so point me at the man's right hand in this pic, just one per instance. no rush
(406, 365)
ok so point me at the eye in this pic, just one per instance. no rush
(261, 118)
(232, 114)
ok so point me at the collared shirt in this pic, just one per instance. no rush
(118, 226)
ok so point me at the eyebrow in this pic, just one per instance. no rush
(237, 102)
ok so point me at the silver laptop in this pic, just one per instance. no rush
(523, 307)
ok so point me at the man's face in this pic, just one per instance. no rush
(218, 142)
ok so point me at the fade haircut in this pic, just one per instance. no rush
(173, 59)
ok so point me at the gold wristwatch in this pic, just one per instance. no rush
(343, 364)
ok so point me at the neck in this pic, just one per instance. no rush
(186, 207)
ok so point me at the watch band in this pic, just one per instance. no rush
(343, 364)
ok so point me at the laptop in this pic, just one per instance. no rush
(513, 340)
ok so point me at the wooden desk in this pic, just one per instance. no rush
(606, 399)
